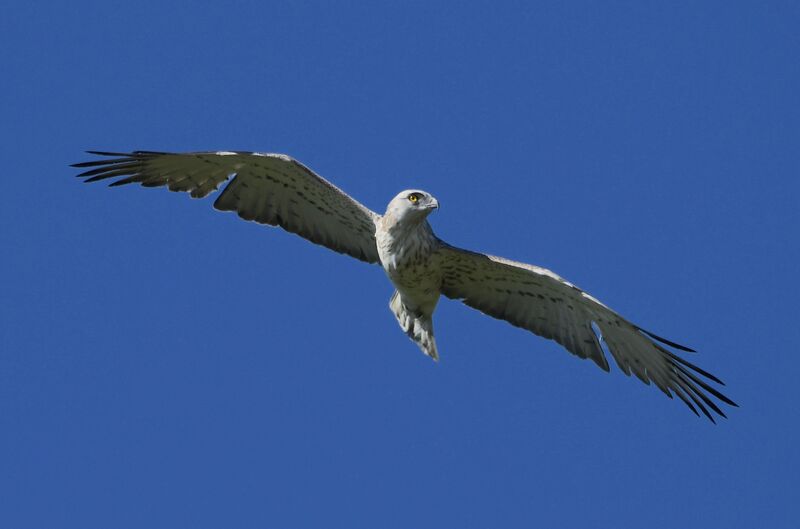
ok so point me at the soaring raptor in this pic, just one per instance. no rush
(277, 190)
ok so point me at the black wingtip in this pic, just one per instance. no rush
(120, 157)
(107, 153)
(695, 368)
(724, 399)
(706, 413)
(665, 341)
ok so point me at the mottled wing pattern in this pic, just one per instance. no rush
(538, 300)
(271, 189)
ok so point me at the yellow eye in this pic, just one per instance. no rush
(413, 198)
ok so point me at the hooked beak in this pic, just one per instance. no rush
(433, 204)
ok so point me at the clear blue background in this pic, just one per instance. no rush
(165, 365)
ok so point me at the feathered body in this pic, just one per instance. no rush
(407, 250)
(277, 190)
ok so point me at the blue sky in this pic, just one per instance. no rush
(167, 365)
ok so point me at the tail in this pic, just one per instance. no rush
(418, 327)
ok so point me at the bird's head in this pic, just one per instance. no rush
(411, 205)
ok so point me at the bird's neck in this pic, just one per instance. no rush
(410, 230)
(398, 241)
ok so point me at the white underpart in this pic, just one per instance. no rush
(406, 247)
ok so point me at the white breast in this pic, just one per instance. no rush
(412, 265)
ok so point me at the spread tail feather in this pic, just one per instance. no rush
(418, 327)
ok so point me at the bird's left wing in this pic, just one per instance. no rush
(270, 189)
(538, 300)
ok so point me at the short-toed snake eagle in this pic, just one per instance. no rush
(277, 190)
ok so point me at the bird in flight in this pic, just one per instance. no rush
(277, 190)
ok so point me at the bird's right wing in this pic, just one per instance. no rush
(271, 189)
(538, 300)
